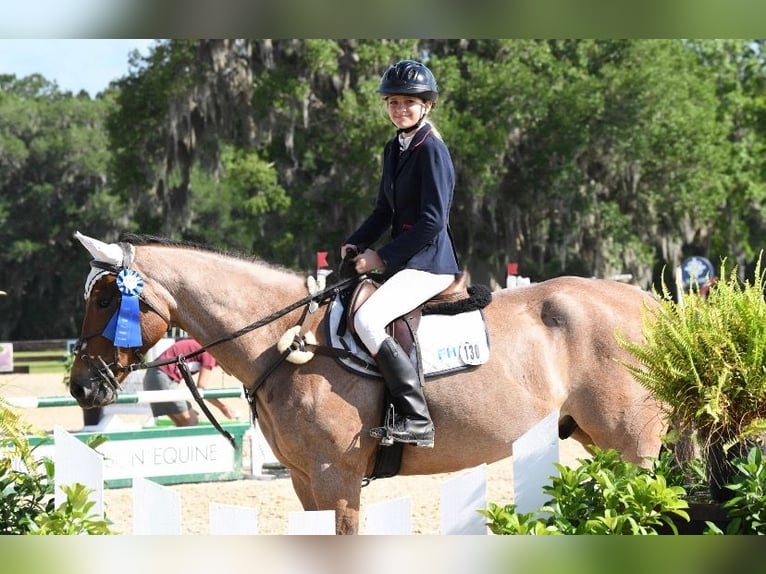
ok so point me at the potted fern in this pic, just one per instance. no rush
(705, 360)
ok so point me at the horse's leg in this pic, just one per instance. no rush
(340, 491)
(302, 487)
(331, 489)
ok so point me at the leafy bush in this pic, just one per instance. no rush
(27, 502)
(604, 495)
(607, 495)
(23, 497)
(747, 508)
(73, 516)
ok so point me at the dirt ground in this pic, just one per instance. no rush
(274, 497)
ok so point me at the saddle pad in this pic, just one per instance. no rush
(447, 343)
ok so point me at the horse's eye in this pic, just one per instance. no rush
(104, 302)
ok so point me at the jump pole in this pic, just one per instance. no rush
(139, 398)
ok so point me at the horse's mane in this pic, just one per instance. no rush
(145, 239)
(148, 239)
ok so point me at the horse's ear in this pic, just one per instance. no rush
(100, 251)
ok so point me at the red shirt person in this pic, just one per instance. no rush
(167, 377)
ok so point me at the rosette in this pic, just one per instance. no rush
(124, 328)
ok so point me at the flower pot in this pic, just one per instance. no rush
(700, 513)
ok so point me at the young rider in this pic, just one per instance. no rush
(419, 260)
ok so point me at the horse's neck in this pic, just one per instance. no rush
(211, 295)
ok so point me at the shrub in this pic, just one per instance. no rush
(603, 495)
(27, 502)
(607, 495)
(747, 508)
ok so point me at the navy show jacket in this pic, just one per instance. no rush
(414, 201)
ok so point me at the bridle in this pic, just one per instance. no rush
(107, 372)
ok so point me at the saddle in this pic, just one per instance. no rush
(403, 329)
(454, 300)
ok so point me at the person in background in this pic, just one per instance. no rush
(168, 377)
(419, 261)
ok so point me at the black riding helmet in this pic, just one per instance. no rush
(411, 78)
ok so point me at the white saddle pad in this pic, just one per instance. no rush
(447, 342)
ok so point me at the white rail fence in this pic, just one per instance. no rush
(157, 508)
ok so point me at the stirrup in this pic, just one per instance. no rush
(420, 440)
(384, 433)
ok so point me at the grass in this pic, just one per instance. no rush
(41, 362)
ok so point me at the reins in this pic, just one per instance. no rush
(317, 297)
(311, 302)
(180, 360)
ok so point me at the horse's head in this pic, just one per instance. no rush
(120, 325)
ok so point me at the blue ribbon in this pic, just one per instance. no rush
(124, 328)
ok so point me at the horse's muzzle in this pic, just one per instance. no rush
(91, 394)
(94, 387)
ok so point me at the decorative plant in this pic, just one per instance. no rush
(705, 360)
(747, 507)
(26, 489)
(608, 495)
(603, 495)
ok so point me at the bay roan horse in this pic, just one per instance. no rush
(553, 346)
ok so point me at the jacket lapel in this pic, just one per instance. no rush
(419, 138)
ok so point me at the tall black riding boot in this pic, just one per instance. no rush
(412, 424)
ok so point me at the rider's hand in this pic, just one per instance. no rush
(368, 261)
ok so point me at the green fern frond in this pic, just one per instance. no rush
(706, 358)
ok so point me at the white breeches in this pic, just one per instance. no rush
(400, 294)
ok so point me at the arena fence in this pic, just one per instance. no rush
(157, 508)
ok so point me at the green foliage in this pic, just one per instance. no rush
(705, 359)
(25, 484)
(747, 509)
(604, 495)
(607, 495)
(24, 495)
(27, 502)
(73, 516)
(505, 520)
(255, 181)
(53, 173)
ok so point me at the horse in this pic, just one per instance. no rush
(554, 346)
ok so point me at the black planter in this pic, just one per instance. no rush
(720, 467)
(720, 471)
(700, 513)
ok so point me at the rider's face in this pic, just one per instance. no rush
(406, 111)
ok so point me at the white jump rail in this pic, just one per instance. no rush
(141, 398)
